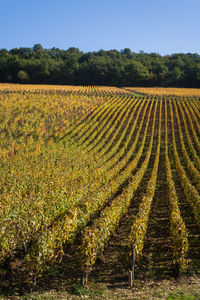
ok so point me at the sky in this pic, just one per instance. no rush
(161, 26)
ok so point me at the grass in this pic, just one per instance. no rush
(185, 289)
(182, 295)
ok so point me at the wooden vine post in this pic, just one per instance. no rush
(131, 272)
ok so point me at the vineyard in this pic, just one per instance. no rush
(88, 172)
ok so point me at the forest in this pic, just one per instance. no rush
(117, 68)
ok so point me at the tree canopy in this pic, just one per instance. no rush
(113, 67)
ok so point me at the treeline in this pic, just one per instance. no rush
(119, 68)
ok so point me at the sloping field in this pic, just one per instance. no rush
(86, 172)
(165, 91)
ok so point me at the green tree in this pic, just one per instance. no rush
(37, 47)
(23, 76)
(136, 73)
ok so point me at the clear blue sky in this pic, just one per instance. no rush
(162, 26)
